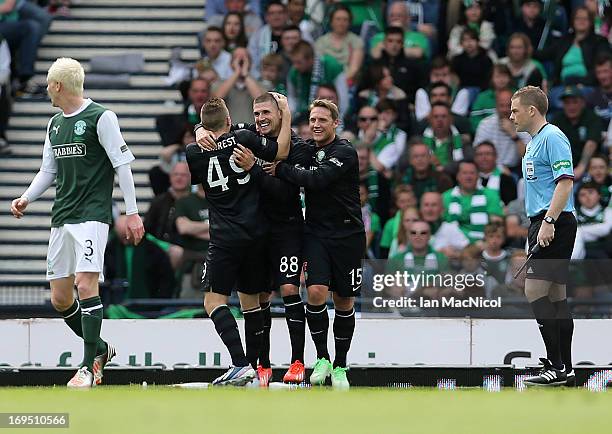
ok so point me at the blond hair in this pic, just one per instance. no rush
(69, 73)
(214, 114)
(325, 103)
(532, 96)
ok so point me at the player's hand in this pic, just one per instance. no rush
(546, 234)
(283, 104)
(206, 139)
(244, 157)
(270, 168)
(135, 229)
(18, 206)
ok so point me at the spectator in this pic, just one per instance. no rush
(303, 128)
(472, 17)
(404, 198)
(233, 31)
(5, 96)
(205, 71)
(296, 12)
(328, 92)
(530, 21)
(290, 37)
(160, 220)
(421, 175)
(391, 141)
(514, 289)
(581, 126)
(472, 207)
(441, 71)
(371, 221)
(525, 70)
(407, 72)
(342, 44)
(415, 44)
(214, 49)
(307, 73)
(499, 130)
(594, 222)
(400, 243)
(145, 267)
(473, 66)
(598, 173)
(193, 226)
(471, 265)
(485, 104)
(267, 39)
(272, 77)
(378, 185)
(495, 259)
(250, 16)
(447, 238)
(240, 89)
(377, 85)
(490, 176)
(170, 154)
(443, 138)
(440, 92)
(600, 100)
(574, 54)
(23, 24)
(419, 257)
(198, 94)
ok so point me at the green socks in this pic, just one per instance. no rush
(72, 317)
(91, 322)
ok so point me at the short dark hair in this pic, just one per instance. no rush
(394, 30)
(341, 7)
(440, 84)
(486, 143)
(386, 104)
(440, 104)
(266, 97)
(589, 186)
(603, 58)
(275, 3)
(291, 27)
(466, 161)
(215, 29)
(214, 114)
(440, 62)
(468, 31)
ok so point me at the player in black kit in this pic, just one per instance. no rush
(282, 206)
(334, 238)
(237, 230)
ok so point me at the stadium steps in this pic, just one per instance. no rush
(96, 27)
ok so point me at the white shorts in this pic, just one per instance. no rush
(76, 248)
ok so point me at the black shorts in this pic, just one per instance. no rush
(335, 263)
(551, 263)
(239, 266)
(284, 255)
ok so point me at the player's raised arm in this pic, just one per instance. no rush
(284, 137)
(41, 182)
(120, 156)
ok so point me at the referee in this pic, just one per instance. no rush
(549, 179)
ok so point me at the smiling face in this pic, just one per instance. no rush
(322, 125)
(267, 118)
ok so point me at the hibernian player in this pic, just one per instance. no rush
(83, 151)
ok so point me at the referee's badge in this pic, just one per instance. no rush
(529, 170)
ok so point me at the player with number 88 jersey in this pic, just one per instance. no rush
(238, 227)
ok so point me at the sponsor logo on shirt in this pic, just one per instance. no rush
(70, 150)
(561, 164)
(124, 148)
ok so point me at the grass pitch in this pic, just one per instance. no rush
(135, 410)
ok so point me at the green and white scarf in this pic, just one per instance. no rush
(385, 138)
(590, 216)
(494, 180)
(441, 149)
(472, 220)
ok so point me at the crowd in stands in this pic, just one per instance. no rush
(424, 90)
(23, 24)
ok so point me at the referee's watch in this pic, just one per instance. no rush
(551, 221)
